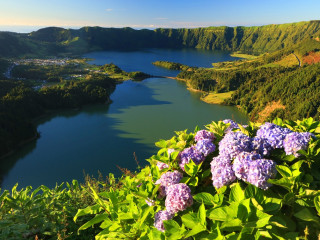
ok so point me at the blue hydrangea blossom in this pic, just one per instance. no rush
(260, 171)
(232, 126)
(205, 147)
(241, 164)
(189, 154)
(222, 172)
(296, 141)
(204, 134)
(261, 146)
(234, 143)
(273, 134)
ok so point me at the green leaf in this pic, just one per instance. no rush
(88, 210)
(190, 220)
(173, 230)
(252, 191)
(3, 195)
(218, 214)
(205, 197)
(317, 204)
(97, 219)
(161, 144)
(202, 214)
(156, 235)
(263, 219)
(306, 215)
(271, 204)
(284, 171)
(195, 230)
(236, 193)
(286, 183)
(232, 225)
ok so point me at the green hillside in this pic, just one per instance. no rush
(254, 40)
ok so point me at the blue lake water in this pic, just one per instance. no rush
(103, 137)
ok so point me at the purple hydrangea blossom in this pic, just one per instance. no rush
(162, 165)
(261, 146)
(222, 173)
(273, 134)
(190, 153)
(204, 134)
(167, 179)
(178, 198)
(205, 147)
(260, 171)
(296, 141)
(160, 217)
(234, 143)
(241, 164)
(232, 125)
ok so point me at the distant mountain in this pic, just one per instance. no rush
(254, 40)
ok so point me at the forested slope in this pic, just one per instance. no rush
(254, 40)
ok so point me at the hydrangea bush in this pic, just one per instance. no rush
(228, 181)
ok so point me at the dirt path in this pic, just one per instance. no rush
(297, 59)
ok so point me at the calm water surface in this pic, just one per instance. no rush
(101, 137)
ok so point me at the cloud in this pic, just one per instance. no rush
(109, 9)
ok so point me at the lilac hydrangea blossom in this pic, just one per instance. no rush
(234, 143)
(204, 134)
(222, 173)
(232, 125)
(296, 141)
(261, 146)
(160, 217)
(162, 165)
(178, 198)
(190, 153)
(167, 179)
(273, 134)
(205, 147)
(260, 171)
(241, 164)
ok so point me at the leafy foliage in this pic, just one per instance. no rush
(287, 210)
(44, 213)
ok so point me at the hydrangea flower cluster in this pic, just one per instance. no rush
(241, 164)
(160, 217)
(260, 146)
(260, 171)
(189, 154)
(273, 134)
(296, 141)
(205, 147)
(178, 198)
(167, 179)
(204, 134)
(240, 157)
(233, 143)
(232, 125)
(222, 173)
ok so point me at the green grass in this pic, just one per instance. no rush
(243, 55)
(216, 98)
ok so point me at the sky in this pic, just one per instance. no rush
(28, 15)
